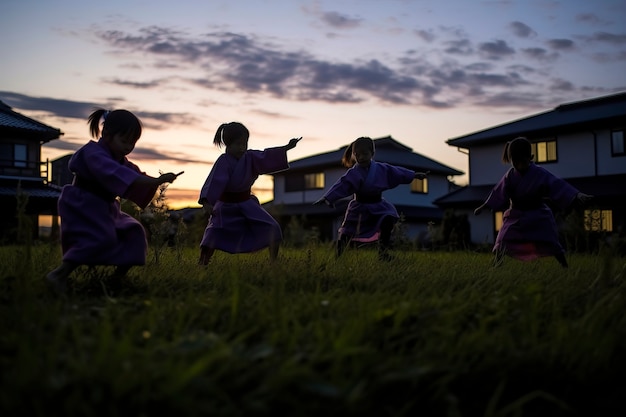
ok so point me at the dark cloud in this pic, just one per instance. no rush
(609, 38)
(495, 50)
(588, 18)
(425, 35)
(82, 110)
(561, 85)
(459, 47)
(340, 21)
(58, 107)
(134, 84)
(150, 154)
(561, 44)
(452, 69)
(522, 30)
(540, 54)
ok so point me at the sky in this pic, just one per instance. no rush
(420, 71)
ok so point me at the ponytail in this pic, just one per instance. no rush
(94, 121)
(229, 132)
(114, 122)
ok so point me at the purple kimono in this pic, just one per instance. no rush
(366, 210)
(94, 230)
(238, 223)
(529, 230)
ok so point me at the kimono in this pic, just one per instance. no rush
(239, 224)
(94, 229)
(529, 230)
(367, 209)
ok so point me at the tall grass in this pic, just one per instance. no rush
(434, 334)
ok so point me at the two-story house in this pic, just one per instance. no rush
(22, 173)
(296, 189)
(582, 142)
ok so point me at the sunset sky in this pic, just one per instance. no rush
(329, 71)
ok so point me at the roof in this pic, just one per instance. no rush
(585, 114)
(387, 150)
(604, 187)
(34, 191)
(16, 124)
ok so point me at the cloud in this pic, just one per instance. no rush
(540, 54)
(609, 38)
(58, 107)
(340, 21)
(561, 44)
(81, 110)
(522, 30)
(495, 50)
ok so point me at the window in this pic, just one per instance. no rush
(617, 142)
(20, 156)
(497, 219)
(419, 186)
(598, 220)
(314, 181)
(544, 151)
(14, 154)
(302, 182)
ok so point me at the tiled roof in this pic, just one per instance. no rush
(566, 117)
(387, 150)
(11, 121)
(33, 191)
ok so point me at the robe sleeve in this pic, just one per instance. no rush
(269, 160)
(345, 186)
(398, 175)
(498, 198)
(560, 191)
(216, 182)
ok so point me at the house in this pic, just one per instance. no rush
(22, 173)
(306, 180)
(581, 142)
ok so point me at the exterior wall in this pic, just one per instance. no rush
(485, 165)
(607, 163)
(579, 155)
(481, 227)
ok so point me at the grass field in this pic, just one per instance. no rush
(430, 334)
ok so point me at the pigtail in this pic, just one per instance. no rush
(348, 160)
(94, 121)
(218, 140)
(506, 157)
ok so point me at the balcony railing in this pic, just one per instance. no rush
(16, 168)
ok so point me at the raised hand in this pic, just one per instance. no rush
(325, 201)
(293, 142)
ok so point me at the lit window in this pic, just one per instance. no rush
(497, 217)
(419, 186)
(314, 181)
(544, 151)
(617, 142)
(599, 220)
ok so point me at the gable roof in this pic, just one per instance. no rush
(18, 125)
(387, 150)
(574, 116)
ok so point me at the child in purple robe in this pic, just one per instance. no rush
(94, 230)
(238, 223)
(529, 230)
(369, 217)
